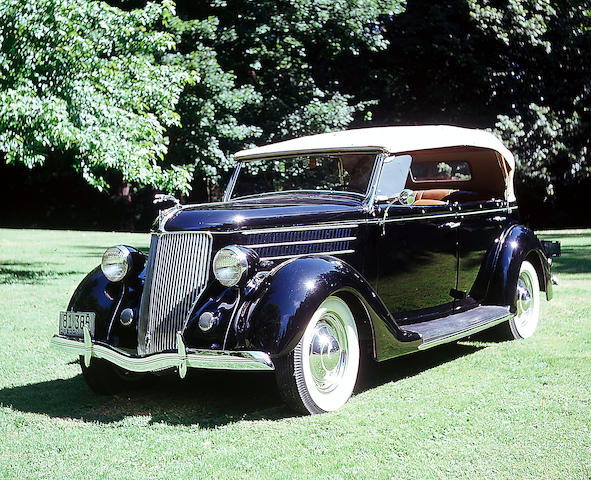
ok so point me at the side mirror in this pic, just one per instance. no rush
(407, 197)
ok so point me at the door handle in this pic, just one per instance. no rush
(451, 225)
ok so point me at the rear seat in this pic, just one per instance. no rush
(434, 196)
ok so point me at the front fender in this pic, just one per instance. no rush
(275, 315)
(517, 244)
(96, 293)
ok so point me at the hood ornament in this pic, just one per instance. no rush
(165, 214)
(164, 197)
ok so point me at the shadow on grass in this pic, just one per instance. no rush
(560, 235)
(574, 259)
(203, 399)
(413, 364)
(33, 273)
(85, 251)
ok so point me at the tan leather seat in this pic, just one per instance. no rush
(434, 194)
(429, 202)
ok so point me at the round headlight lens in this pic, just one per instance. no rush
(229, 265)
(116, 263)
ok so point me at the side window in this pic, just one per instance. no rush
(393, 177)
(440, 171)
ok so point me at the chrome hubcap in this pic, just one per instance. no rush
(328, 353)
(524, 298)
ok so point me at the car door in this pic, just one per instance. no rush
(417, 251)
(481, 225)
(418, 262)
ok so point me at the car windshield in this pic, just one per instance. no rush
(349, 173)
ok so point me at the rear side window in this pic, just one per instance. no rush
(440, 171)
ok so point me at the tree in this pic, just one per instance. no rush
(282, 54)
(112, 82)
(164, 99)
(547, 122)
(520, 68)
(80, 76)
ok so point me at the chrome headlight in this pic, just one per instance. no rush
(233, 264)
(116, 263)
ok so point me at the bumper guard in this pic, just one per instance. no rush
(182, 359)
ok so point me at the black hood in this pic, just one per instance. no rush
(267, 211)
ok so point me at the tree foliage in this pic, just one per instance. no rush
(81, 76)
(545, 78)
(164, 97)
(520, 68)
(279, 53)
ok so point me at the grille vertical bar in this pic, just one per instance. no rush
(177, 273)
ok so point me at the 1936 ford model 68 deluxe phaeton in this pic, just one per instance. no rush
(379, 241)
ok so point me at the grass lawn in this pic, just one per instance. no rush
(464, 411)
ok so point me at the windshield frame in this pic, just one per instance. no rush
(366, 197)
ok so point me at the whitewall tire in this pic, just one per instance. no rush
(527, 301)
(527, 298)
(320, 374)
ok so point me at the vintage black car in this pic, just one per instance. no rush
(378, 242)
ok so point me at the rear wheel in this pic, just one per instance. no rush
(104, 378)
(525, 321)
(527, 300)
(319, 375)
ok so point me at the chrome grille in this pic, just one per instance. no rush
(292, 243)
(177, 273)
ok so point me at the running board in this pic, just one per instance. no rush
(459, 325)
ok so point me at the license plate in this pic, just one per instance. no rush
(72, 323)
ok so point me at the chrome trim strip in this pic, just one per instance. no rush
(441, 215)
(123, 289)
(457, 336)
(478, 212)
(348, 224)
(338, 252)
(231, 321)
(303, 242)
(194, 358)
(302, 228)
(372, 184)
(293, 153)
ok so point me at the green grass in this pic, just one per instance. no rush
(468, 410)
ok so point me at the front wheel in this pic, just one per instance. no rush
(319, 375)
(104, 378)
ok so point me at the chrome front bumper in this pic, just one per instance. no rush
(182, 359)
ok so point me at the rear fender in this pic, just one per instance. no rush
(276, 313)
(518, 243)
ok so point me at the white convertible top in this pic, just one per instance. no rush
(386, 139)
